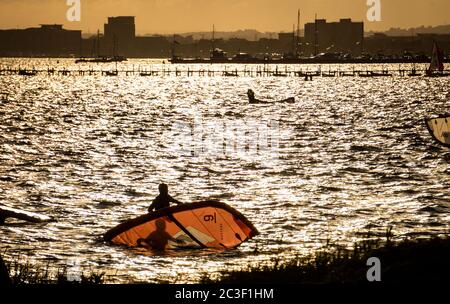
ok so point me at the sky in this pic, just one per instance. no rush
(179, 16)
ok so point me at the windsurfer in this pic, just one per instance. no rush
(163, 200)
(253, 100)
(251, 97)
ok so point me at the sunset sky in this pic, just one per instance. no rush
(177, 16)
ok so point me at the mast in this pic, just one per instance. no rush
(293, 40)
(114, 46)
(94, 48)
(413, 59)
(117, 47)
(298, 33)
(362, 40)
(315, 36)
(173, 46)
(213, 41)
(98, 43)
(81, 46)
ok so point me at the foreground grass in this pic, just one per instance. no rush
(422, 260)
(425, 260)
(21, 273)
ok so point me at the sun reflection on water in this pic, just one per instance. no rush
(352, 155)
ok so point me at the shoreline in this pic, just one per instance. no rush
(256, 61)
(407, 261)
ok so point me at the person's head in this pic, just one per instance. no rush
(160, 225)
(251, 94)
(163, 189)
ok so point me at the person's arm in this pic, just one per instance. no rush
(171, 238)
(152, 206)
(171, 199)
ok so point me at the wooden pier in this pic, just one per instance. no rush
(258, 71)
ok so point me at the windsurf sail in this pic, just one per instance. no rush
(439, 128)
(32, 217)
(208, 224)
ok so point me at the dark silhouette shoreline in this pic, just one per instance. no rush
(257, 61)
(411, 261)
(421, 261)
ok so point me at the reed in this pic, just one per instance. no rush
(23, 272)
(421, 260)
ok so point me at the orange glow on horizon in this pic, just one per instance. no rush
(181, 16)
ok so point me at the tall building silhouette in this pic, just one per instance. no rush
(120, 33)
(119, 38)
(344, 36)
(46, 40)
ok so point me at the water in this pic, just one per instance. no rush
(352, 155)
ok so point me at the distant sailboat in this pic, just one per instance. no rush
(102, 59)
(116, 57)
(23, 72)
(436, 68)
(96, 58)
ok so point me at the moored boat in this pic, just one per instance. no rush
(23, 72)
(384, 73)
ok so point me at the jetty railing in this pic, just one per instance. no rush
(258, 71)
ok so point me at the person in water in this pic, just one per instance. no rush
(163, 200)
(158, 239)
(251, 97)
(253, 100)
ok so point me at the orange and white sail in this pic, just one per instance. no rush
(198, 225)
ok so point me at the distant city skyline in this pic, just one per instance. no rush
(181, 16)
